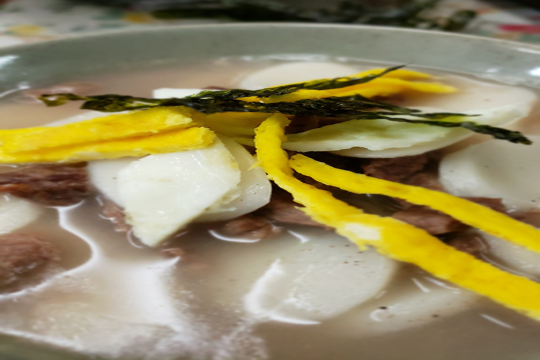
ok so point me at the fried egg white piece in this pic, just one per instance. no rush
(500, 116)
(495, 169)
(419, 302)
(162, 193)
(294, 72)
(16, 213)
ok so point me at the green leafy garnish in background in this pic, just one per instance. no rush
(405, 14)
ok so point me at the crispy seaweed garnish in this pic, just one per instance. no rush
(347, 108)
(321, 84)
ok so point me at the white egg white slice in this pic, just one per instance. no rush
(501, 116)
(16, 213)
(422, 301)
(253, 191)
(495, 169)
(161, 193)
(294, 72)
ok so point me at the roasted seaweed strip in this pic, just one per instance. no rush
(348, 108)
(320, 84)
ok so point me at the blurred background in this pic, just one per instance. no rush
(24, 21)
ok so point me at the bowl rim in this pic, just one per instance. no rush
(180, 27)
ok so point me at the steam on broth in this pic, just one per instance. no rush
(268, 289)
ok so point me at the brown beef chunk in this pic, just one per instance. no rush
(428, 180)
(395, 169)
(302, 123)
(283, 209)
(434, 222)
(250, 226)
(468, 242)
(115, 214)
(49, 184)
(21, 254)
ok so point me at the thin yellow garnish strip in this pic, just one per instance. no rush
(395, 82)
(111, 127)
(471, 213)
(391, 237)
(162, 142)
(378, 87)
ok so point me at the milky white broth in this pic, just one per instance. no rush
(111, 298)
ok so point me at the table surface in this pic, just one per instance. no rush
(23, 21)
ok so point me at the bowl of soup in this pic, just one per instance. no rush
(270, 191)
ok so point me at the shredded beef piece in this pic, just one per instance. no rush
(302, 123)
(283, 209)
(470, 243)
(250, 226)
(21, 254)
(395, 169)
(55, 185)
(434, 222)
(115, 214)
(428, 180)
(341, 162)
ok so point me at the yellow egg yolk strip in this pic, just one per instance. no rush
(395, 82)
(468, 212)
(117, 126)
(391, 237)
(377, 87)
(162, 142)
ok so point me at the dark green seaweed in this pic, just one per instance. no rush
(347, 108)
(321, 84)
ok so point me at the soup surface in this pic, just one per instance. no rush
(303, 293)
